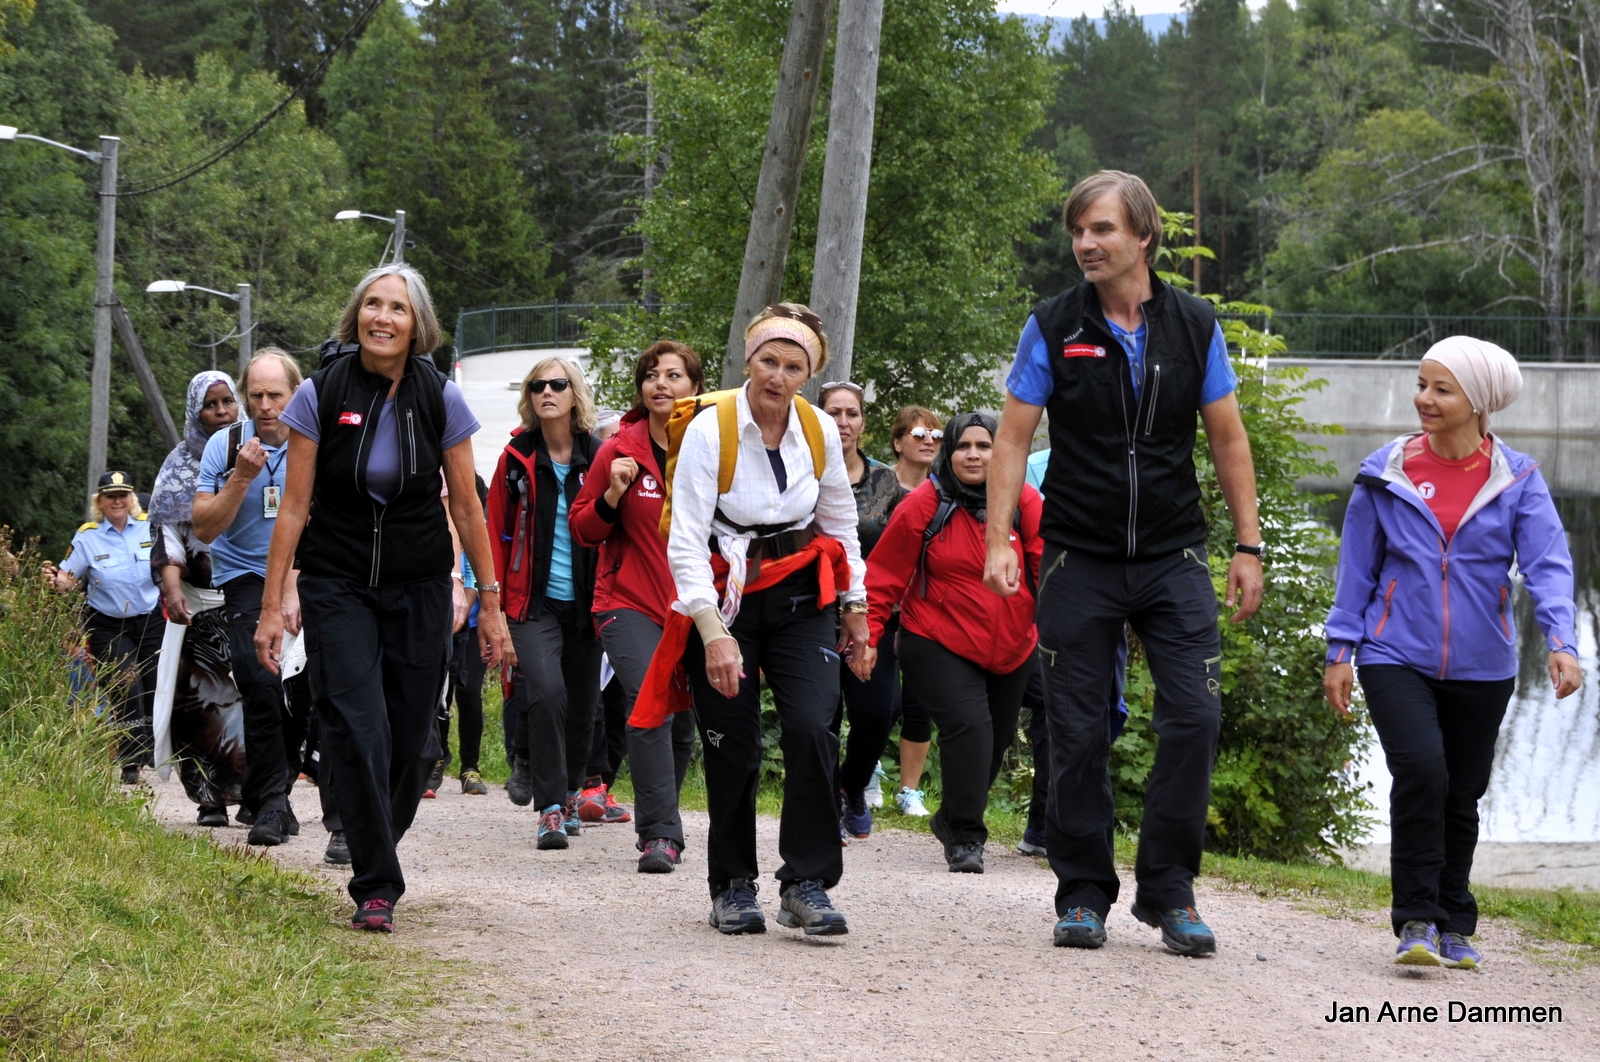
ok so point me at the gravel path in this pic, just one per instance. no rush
(574, 956)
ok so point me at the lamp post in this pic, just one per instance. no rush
(104, 296)
(399, 223)
(246, 343)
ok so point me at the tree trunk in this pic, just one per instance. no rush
(836, 274)
(766, 249)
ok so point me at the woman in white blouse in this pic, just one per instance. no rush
(763, 569)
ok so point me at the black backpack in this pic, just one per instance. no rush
(941, 516)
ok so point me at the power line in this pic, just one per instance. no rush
(195, 169)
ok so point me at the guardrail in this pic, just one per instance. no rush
(485, 329)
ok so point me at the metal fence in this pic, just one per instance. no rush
(1406, 336)
(485, 329)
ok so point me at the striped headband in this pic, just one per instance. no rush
(771, 328)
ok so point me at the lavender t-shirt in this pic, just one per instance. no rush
(383, 464)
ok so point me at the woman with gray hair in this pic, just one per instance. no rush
(369, 436)
(549, 585)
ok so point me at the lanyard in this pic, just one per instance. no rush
(272, 471)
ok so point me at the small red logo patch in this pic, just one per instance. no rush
(1082, 350)
(349, 418)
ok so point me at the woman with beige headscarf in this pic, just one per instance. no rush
(1424, 601)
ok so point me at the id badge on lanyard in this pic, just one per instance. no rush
(270, 496)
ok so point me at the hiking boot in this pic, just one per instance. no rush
(873, 793)
(1458, 952)
(519, 787)
(435, 779)
(804, 905)
(909, 801)
(291, 823)
(472, 783)
(1419, 944)
(552, 830)
(1080, 928)
(615, 812)
(374, 915)
(570, 817)
(736, 910)
(1032, 843)
(130, 774)
(965, 858)
(244, 816)
(1181, 929)
(270, 828)
(854, 816)
(212, 816)
(661, 855)
(591, 800)
(338, 851)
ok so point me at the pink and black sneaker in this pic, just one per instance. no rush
(374, 915)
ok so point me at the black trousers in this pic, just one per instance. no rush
(273, 733)
(1438, 738)
(125, 652)
(558, 664)
(785, 637)
(976, 713)
(1172, 607)
(1039, 733)
(658, 756)
(609, 746)
(301, 704)
(467, 671)
(377, 657)
(872, 707)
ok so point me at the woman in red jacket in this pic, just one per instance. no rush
(619, 510)
(965, 651)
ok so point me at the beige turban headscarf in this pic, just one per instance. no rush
(1488, 375)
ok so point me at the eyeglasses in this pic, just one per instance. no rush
(919, 432)
(805, 317)
(536, 387)
(833, 385)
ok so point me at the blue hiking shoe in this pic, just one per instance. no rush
(1181, 929)
(854, 816)
(1080, 928)
(1419, 944)
(1458, 953)
(1032, 843)
(570, 818)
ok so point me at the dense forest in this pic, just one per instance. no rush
(1339, 156)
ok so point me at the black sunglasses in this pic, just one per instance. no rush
(536, 387)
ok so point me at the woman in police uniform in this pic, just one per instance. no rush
(123, 618)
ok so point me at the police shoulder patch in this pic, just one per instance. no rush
(87, 525)
(142, 516)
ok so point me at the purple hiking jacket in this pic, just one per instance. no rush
(1406, 597)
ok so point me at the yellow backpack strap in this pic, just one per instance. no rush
(728, 439)
(812, 429)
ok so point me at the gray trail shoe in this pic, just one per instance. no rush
(338, 851)
(805, 905)
(735, 910)
(519, 787)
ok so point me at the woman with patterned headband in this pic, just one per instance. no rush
(762, 571)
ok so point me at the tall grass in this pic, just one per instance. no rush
(122, 940)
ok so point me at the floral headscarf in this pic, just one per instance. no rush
(172, 500)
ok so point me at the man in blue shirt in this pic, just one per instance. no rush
(242, 478)
(1124, 363)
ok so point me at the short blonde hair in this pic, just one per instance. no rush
(911, 417)
(583, 414)
(1139, 206)
(425, 330)
(291, 372)
(134, 508)
(796, 311)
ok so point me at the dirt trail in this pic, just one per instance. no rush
(574, 956)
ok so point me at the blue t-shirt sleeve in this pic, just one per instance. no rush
(1220, 380)
(301, 413)
(1030, 379)
(459, 423)
(213, 462)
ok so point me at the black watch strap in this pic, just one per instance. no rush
(1254, 551)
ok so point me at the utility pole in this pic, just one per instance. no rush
(836, 274)
(399, 238)
(104, 295)
(766, 249)
(247, 343)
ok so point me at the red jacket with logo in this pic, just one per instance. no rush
(959, 612)
(633, 570)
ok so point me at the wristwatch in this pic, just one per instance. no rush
(489, 588)
(854, 606)
(1257, 551)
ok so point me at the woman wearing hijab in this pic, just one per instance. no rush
(965, 651)
(198, 717)
(1423, 604)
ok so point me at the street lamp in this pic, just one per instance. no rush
(246, 343)
(398, 221)
(105, 295)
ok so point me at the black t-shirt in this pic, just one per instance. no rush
(877, 493)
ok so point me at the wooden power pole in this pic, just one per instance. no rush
(766, 249)
(836, 276)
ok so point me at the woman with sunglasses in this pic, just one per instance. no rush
(871, 705)
(618, 510)
(915, 437)
(967, 651)
(548, 586)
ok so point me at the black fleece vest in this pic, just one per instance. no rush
(538, 525)
(349, 535)
(1121, 481)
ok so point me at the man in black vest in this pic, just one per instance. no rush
(1123, 362)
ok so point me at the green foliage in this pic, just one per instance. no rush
(953, 186)
(166, 38)
(12, 11)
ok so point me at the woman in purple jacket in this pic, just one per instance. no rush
(1437, 522)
